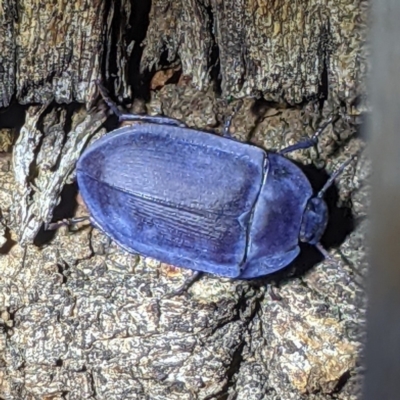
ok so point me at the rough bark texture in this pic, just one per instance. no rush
(283, 49)
(82, 319)
(55, 50)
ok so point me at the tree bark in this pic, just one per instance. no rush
(83, 319)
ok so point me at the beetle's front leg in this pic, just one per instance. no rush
(160, 120)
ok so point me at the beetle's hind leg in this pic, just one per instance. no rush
(160, 120)
(272, 293)
(186, 285)
(52, 226)
(306, 143)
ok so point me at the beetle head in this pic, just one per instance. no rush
(314, 221)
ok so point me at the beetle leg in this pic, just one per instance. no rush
(160, 120)
(65, 222)
(306, 143)
(186, 285)
(274, 296)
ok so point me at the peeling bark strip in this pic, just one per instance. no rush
(44, 162)
(279, 48)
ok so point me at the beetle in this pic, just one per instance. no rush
(198, 200)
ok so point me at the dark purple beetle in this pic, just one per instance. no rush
(200, 201)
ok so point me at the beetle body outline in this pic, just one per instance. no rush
(230, 208)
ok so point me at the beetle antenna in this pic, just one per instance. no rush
(156, 119)
(332, 178)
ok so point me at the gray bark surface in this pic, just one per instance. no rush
(280, 49)
(82, 319)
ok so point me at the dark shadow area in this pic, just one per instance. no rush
(59, 362)
(174, 78)
(324, 86)
(341, 222)
(13, 116)
(65, 210)
(139, 22)
(9, 242)
(323, 89)
(309, 256)
(261, 106)
(63, 270)
(136, 29)
(112, 122)
(71, 109)
(343, 380)
(215, 63)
